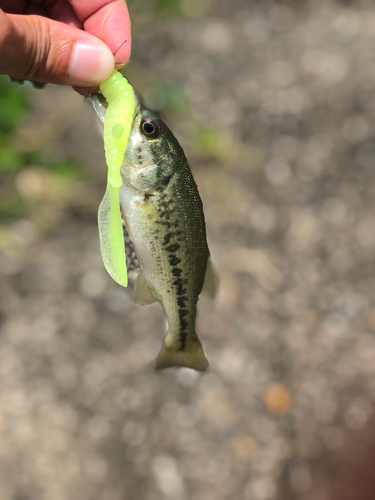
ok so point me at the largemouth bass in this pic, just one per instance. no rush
(163, 215)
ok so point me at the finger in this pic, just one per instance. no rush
(14, 6)
(109, 21)
(41, 49)
(62, 11)
(33, 10)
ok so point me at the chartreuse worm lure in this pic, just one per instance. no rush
(118, 119)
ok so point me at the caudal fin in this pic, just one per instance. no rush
(191, 357)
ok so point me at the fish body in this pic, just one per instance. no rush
(163, 214)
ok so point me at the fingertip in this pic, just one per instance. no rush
(111, 24)
(90, 63)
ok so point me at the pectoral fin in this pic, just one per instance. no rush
(211, 280)
(142, 294)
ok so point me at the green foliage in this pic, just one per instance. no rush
(188, 8)
(10, 159)
(30, 185)
(37, 85)
(170, 6)
(13, 104)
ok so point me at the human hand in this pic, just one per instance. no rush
(68, 42)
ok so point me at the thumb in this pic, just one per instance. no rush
(41, 49)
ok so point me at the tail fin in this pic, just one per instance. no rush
(192, 357)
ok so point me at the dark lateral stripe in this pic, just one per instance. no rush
(173, 260)
(183, 326)
(181, 301)
(173, 248)
(167, 238)
(179, 284)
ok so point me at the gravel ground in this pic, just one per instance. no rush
(286, 410)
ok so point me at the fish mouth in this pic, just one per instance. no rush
(100, 105)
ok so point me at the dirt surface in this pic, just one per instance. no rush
(286, 410)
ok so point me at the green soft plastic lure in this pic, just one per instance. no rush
(119, 95)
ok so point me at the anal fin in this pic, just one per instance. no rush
(142, 294)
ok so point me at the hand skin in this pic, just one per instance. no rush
(67, 42)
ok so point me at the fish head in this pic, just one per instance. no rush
(147, 143)
(149, 156)
(152, 154)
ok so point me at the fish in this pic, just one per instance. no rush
(163, 215)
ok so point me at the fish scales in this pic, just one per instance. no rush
(183, 242)
(163, 214)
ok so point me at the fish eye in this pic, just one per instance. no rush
(150, 128)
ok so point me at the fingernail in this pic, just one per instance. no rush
(91, 63)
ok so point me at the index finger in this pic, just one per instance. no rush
(109, 21)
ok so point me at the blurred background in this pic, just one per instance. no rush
(274, 103)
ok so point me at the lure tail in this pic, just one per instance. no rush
(111, 236)
(192, 356)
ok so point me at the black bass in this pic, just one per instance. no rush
(163, 215)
